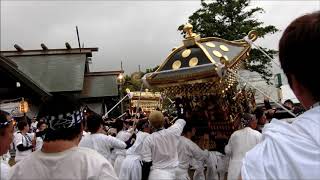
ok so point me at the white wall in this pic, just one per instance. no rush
(271, 90)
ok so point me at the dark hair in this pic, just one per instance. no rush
(288, 101)
(248, 116)
(3, 120)
(54, 106)
(141, 124)
(21, 125)
(119, 125)
(299, 51)
(259, 113)
(186, 129)
(94, 122)
(39, 124)
(63, 134)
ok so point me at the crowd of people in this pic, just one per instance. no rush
(63, 142)
(80, 146)
(130, 148)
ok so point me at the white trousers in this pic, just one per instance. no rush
(131, 168)
(118, 164)
(162, 174)
(234, 169)
(182, 174)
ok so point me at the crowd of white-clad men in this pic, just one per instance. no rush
(65, 144)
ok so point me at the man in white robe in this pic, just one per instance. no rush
(217, 166)
(291, 151)
(198, 167)
(160, 148)
(187, 151)
(123, 135)
(98, 140)
(240, 142)
(131, 166)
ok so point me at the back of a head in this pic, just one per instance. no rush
(39, 124)
(288, 101)
(259, 112)
(299, 52)
(156, 119)
(21, 125)
(3, 122)
(246, 119)
(186, 129)
(141, 124)
(119, 125)
(63, 117)
(94, 122)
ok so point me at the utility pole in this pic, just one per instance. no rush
(78, 38)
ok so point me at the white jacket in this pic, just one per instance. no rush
(239, 144)
(161, 148)
(288, 151)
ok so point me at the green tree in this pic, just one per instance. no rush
(232, 20)
(133, 82)
(150, 70)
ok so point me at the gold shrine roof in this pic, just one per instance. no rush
(198, 60)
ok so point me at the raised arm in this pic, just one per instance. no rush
(177, 127)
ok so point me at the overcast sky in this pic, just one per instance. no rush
(135, 32)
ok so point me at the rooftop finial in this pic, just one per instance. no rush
(191, 38)
(188, 29)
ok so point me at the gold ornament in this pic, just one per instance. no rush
(193, 62)
(176, 64)
(226, 57)
(186, 53)
(217, 53)
(210, 44)
(224, 48)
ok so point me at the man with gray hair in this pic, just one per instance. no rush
(240, 142)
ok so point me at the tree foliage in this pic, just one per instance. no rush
(232, 20)
(134, 83)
